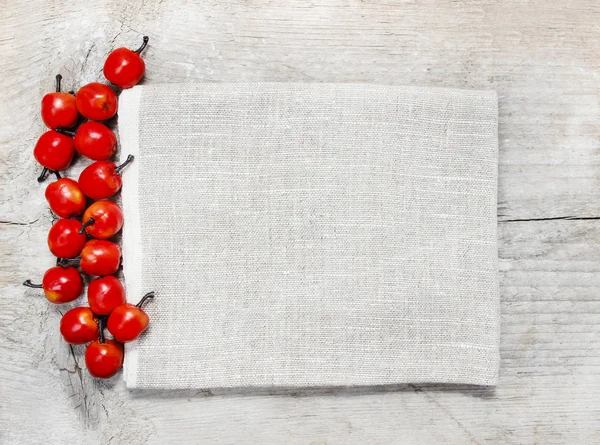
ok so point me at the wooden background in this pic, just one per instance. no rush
(543, 58)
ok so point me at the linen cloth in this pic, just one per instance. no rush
(303, 235)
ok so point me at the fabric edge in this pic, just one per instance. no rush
(488, 93)
(129, 140)
(495, 103)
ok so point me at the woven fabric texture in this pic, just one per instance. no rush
(303, 235)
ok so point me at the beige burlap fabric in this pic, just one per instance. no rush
(311, 234)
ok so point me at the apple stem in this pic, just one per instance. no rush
(65, 132)
(124, 164)
(144, 298)
(28, 283)
(141, 48)
(58, 79)
(89, 222)
(101, 330)
(43, 175)
(68, 262)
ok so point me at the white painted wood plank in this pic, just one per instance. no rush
(543, 59)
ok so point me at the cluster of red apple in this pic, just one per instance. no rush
(84, 243)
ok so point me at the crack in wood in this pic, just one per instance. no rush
(17, 223)
(418, 389)
(553, 218)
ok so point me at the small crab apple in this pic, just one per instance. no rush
(124, 67)
(127, 321)
(79, 326)
(65, 239)
(60, 284)
(54, 151)
(103, 358)
(102, 179)
(94, 140)
(103, 219)
(65, 197)
(98, 257)
(59, 109)
(96, 101)
(105, 294)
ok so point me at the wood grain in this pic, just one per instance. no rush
(543, 58)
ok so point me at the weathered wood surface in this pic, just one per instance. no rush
(542, 56)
